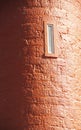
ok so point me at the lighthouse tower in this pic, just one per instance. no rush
(40, 65)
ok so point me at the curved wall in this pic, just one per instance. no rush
(11, 61)
(38, 92)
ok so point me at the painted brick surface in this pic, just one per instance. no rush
(37, 92)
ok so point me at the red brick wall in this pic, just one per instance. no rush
(11, 61)
(36, 92)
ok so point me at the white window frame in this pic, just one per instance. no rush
(50, 42)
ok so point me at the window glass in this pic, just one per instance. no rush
(50, 38)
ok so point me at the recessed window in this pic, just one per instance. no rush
(50, 39)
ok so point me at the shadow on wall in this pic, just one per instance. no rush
(11, 95)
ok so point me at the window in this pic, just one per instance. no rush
(50, 39)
